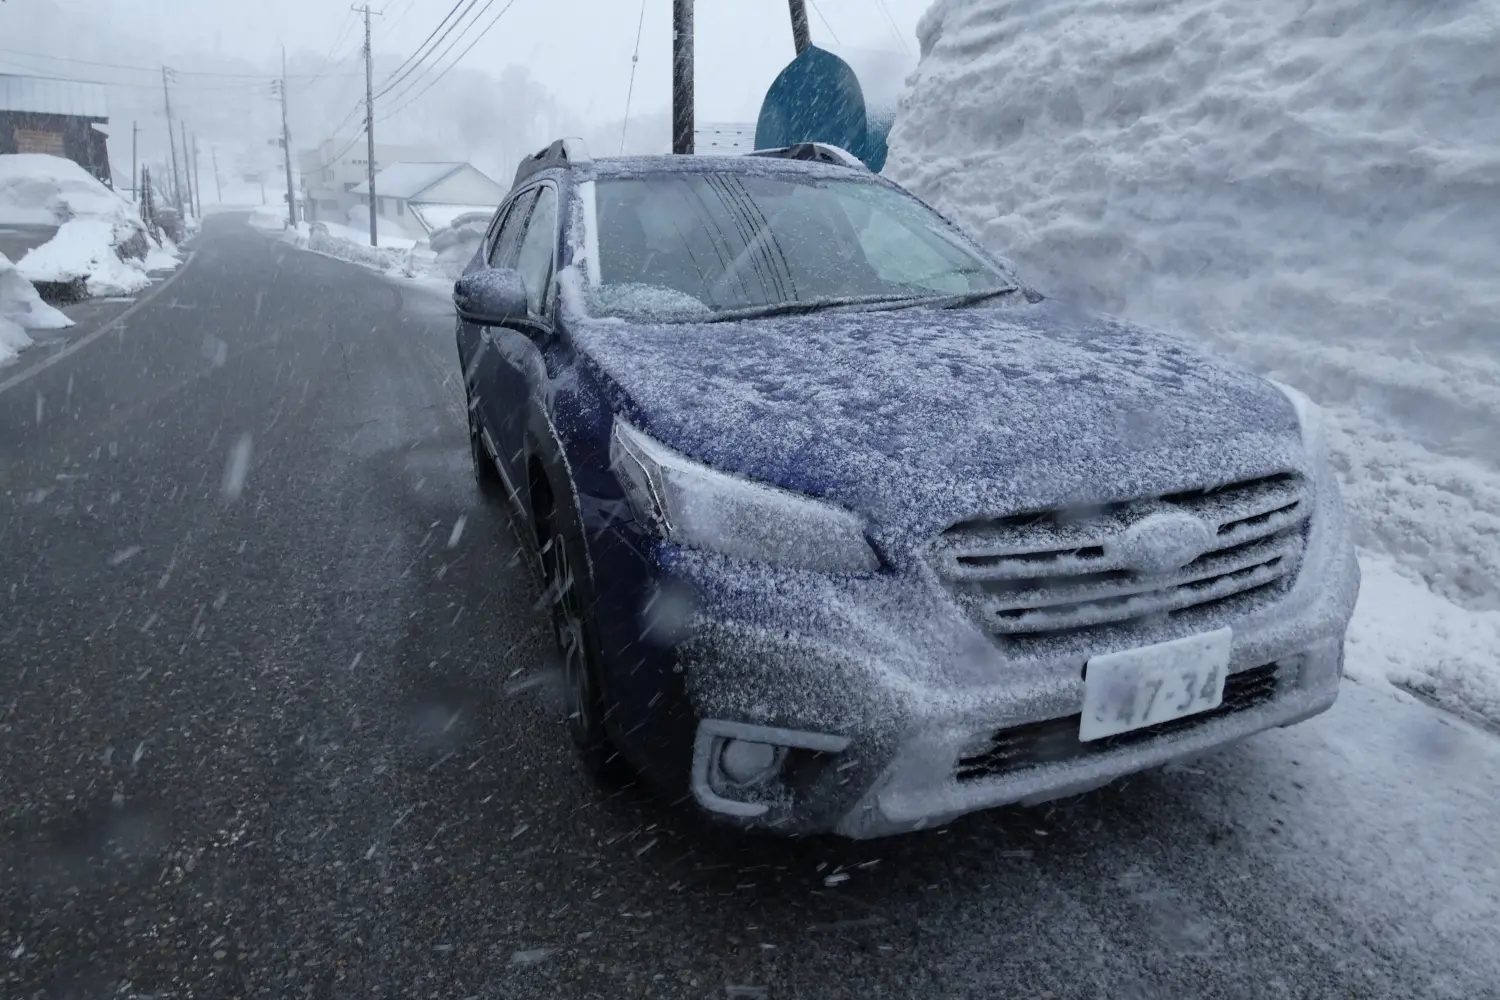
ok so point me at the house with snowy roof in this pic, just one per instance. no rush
(424, 197)
(58, 117)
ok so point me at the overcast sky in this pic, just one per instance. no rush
(580, 49)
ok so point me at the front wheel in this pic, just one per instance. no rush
(572, 627)
(486, 476)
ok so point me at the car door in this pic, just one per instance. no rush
(517, 356)
(492, 396)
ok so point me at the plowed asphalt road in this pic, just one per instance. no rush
(287, 734)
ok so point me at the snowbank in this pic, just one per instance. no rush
(85, 249)
(22, 309)
(455, 244)
(1405, 633)
(100, 242)
(49, 190)
(1312, 188)
(409, 261)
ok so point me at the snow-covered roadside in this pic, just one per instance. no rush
(1300, 187)
(403, 258)
(101, 242)
(1423, 642)
(22, 309)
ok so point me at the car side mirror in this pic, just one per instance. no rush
(493, 296)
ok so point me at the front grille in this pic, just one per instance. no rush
(1051, 572)
(1056, 740)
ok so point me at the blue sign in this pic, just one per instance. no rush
(817, 98)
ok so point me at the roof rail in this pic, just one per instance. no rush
(563, 152)
(818, 152)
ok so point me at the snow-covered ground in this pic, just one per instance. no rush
(21, 309)
(1311, 188)
(100, 239)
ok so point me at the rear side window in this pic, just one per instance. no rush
(537, 246)
(503, 253)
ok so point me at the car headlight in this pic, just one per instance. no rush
(1310, 417)
(690, 503)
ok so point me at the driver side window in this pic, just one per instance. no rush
(537, 251)
(503, 253)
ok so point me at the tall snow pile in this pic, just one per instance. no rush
(100, 238)
(22, 309)
(1311, 187)
(456, 243)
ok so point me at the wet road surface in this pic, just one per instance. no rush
(275, 722)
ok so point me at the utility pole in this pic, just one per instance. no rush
(370, 124)
(167, 99)
(801, 36)
(286, 147)
(682, 76)
(218, 184)
(197, 177)
(135, 189)
(187, 166)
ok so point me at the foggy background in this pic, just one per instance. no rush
(546, 68)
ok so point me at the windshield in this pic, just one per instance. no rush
(695, 244)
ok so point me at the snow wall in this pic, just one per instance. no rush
(1313, 187)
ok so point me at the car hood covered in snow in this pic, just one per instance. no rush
(919, 418)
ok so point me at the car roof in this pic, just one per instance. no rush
(568, 157)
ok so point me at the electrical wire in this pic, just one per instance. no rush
(157, 69)
(428, 62)
(895, 30)
(635, 60)
(819, 11)
(35, 74)
(416, 58)
(486, 30)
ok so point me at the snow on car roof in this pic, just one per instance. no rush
(627, 166)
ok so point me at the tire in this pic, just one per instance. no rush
(486, 476)
(573, 629)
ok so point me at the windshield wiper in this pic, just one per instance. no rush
(973, 298)
(817, 305)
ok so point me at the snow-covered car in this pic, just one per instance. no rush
(844, 528)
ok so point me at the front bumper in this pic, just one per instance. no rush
(878, 686)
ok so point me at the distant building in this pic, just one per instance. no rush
(56, 117)
(328, 182)
(724, 139)
(431, 195)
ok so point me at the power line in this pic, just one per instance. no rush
(819, 11)
(485, 31)
(156, 69)
(895, 30)
(431, 35)
(635, 60)
(390, 84)
(35, 74)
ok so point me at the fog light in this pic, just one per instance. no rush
(744, 762)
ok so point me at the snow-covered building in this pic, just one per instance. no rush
(423, 197)
(329, 177)
(724, 138)
(56, 117)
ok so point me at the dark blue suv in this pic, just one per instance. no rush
(844, 529)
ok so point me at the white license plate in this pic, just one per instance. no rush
(1152, 684)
